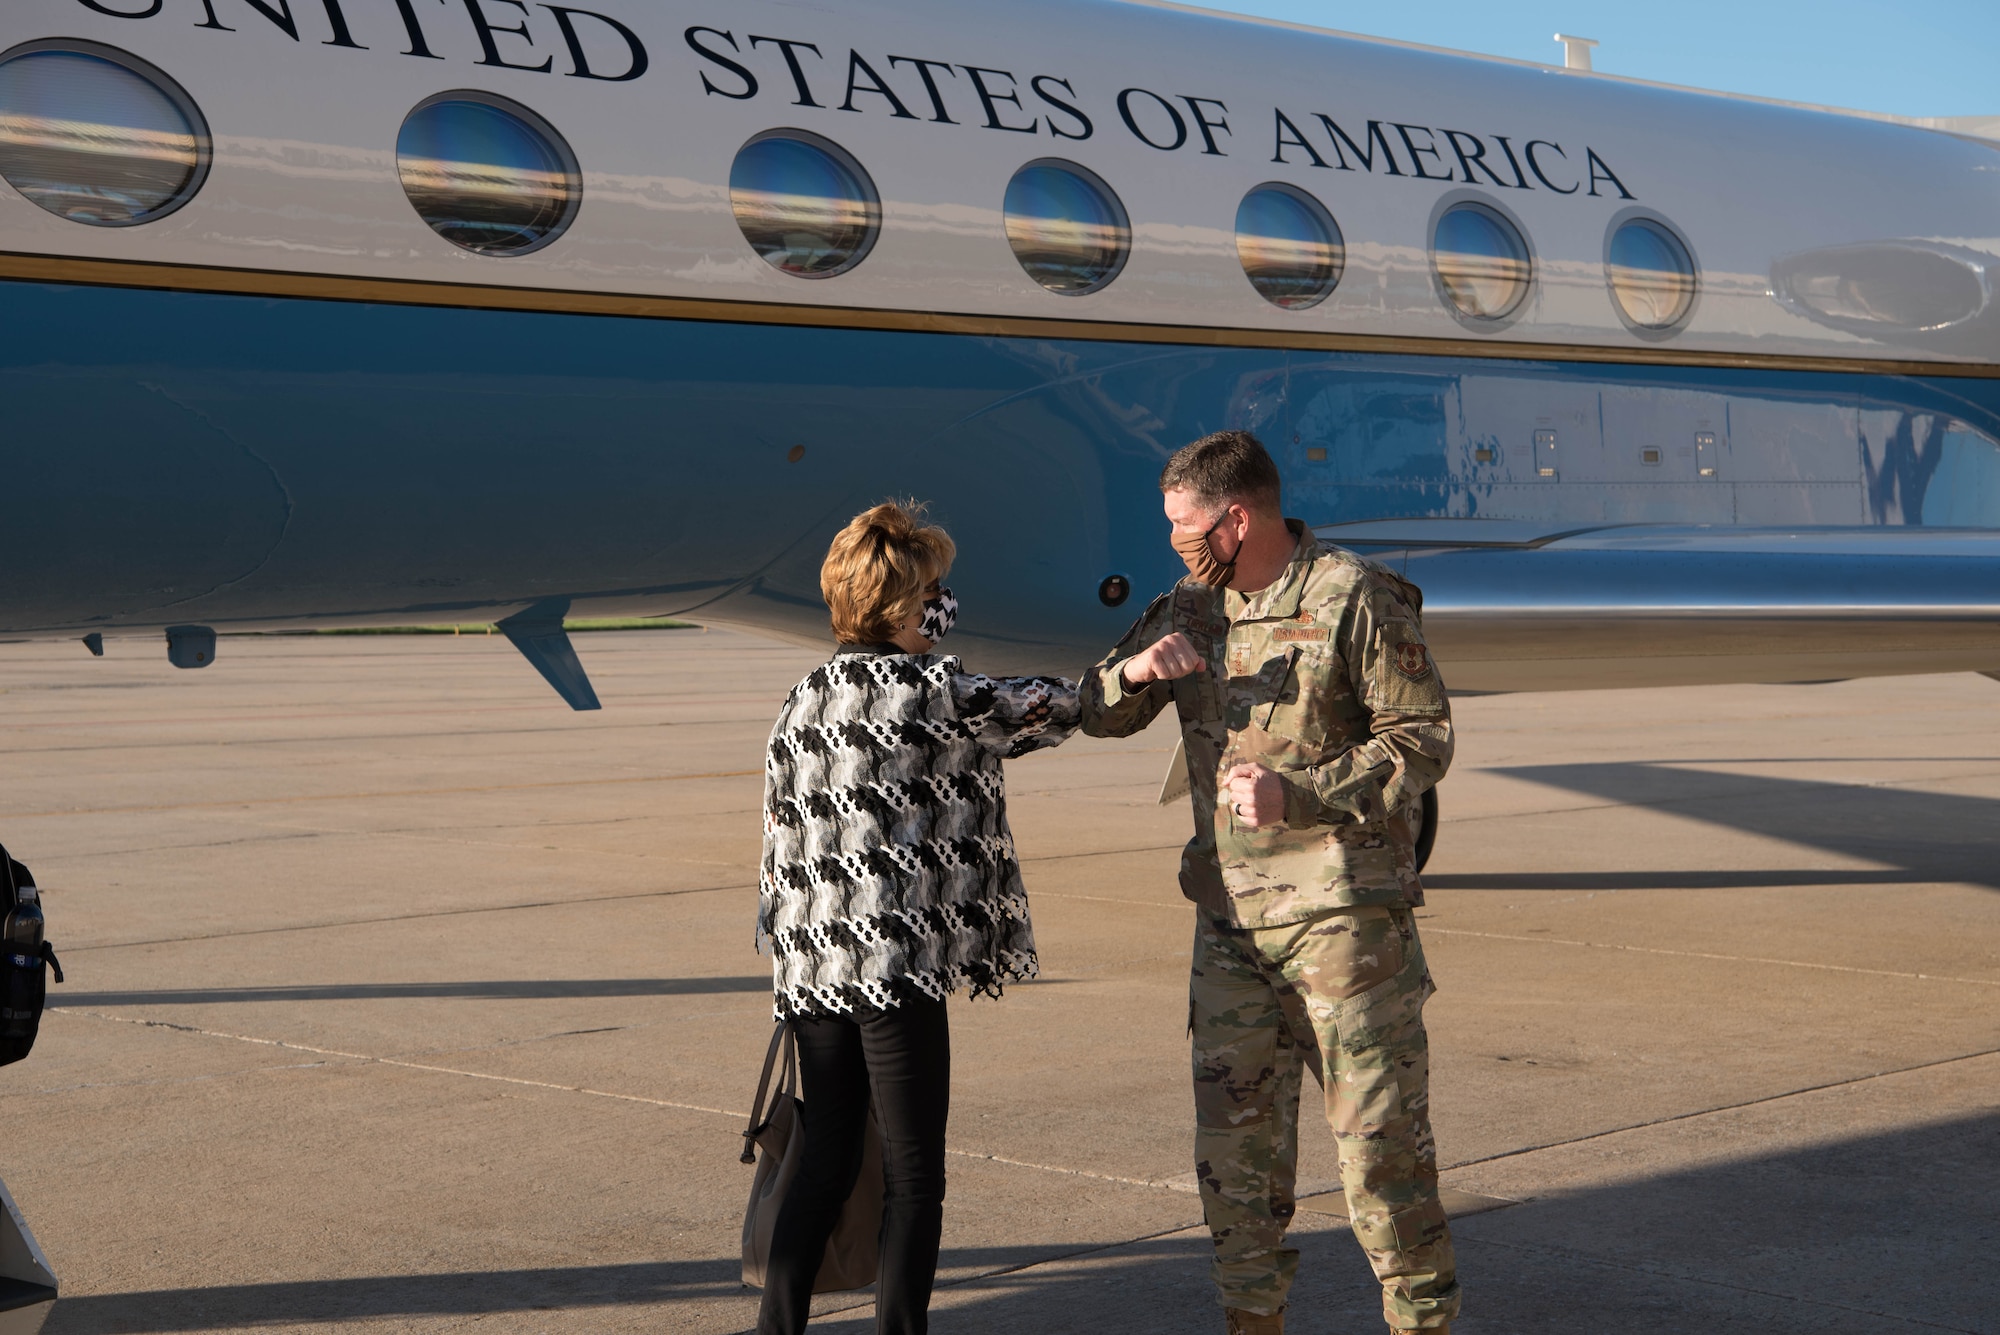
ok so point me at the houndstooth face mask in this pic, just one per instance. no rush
(940, 615)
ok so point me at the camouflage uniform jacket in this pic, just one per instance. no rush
(1323, 677)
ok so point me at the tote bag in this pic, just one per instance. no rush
(775, 1142)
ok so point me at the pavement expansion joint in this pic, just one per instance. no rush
(1710, 955)
(209, 1078)
(1779, 1097)
(1104, 853)
(1457, 1202)
(307, 799)
(1109, 899)
(123, 746)
(444, 835)
(1093, 1250)
(413, 917)
(1077, 973)
(409, 1065)
(1157, 1184)
(1713, 795)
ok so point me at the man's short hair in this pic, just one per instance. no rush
(1226, 468)
(877, 569)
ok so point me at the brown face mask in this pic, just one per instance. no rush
(1201, 559)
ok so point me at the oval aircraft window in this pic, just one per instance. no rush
(1481, 262)
(1900, 287)
(1650, 273)
(487, 174)
(1067, 228)
(1290, 247)
(96, 136)
(804, 203)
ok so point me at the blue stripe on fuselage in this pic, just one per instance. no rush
(242, 461)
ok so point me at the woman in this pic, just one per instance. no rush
(888, 881)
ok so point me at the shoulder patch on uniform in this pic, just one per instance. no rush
(1413, 660)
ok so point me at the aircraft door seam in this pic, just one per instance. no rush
(284, 492)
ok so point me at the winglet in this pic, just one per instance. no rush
(538, 633)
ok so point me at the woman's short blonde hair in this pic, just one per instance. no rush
(878, 567)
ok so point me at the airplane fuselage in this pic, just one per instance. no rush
(295, 397)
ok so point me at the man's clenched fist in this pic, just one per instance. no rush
(1256, 795)
(1164, 660)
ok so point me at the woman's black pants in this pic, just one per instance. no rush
(900, 1060)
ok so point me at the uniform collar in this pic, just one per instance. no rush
(1280, 598)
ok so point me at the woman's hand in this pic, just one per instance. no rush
(1256, 795)
(1163, 660)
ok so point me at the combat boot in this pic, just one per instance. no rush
(1239, 1322)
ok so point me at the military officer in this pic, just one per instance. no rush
(1313, 719)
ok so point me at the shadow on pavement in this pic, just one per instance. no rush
(518, 989)
(1927, 836)
(1856, 1237)
(469, 1293)
(1860, 1236)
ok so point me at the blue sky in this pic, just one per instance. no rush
(1910, 57)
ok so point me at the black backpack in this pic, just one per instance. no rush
(24, 986)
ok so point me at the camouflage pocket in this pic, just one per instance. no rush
(1386, 1012)
(1294, 704)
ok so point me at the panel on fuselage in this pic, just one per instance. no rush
(124, 498)
(1395, 436)
(432, 463)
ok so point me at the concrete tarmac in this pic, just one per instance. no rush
(401, 998)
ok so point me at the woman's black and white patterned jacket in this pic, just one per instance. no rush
(888, 867)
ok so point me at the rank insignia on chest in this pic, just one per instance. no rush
(1413, 660)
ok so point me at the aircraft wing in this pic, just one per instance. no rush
(1515, 605)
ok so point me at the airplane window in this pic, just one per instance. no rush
(1884, 287)
(96, 136)
(487, 174)
(1481, 262)
(804, 203)
(1290, 247)
(1651, 274)
(1066, 227)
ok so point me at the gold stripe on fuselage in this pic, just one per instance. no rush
(471, 296)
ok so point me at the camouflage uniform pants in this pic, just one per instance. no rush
(1341, 994)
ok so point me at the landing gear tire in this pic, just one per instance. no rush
(1427, 826)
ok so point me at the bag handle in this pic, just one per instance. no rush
(780, 1037)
